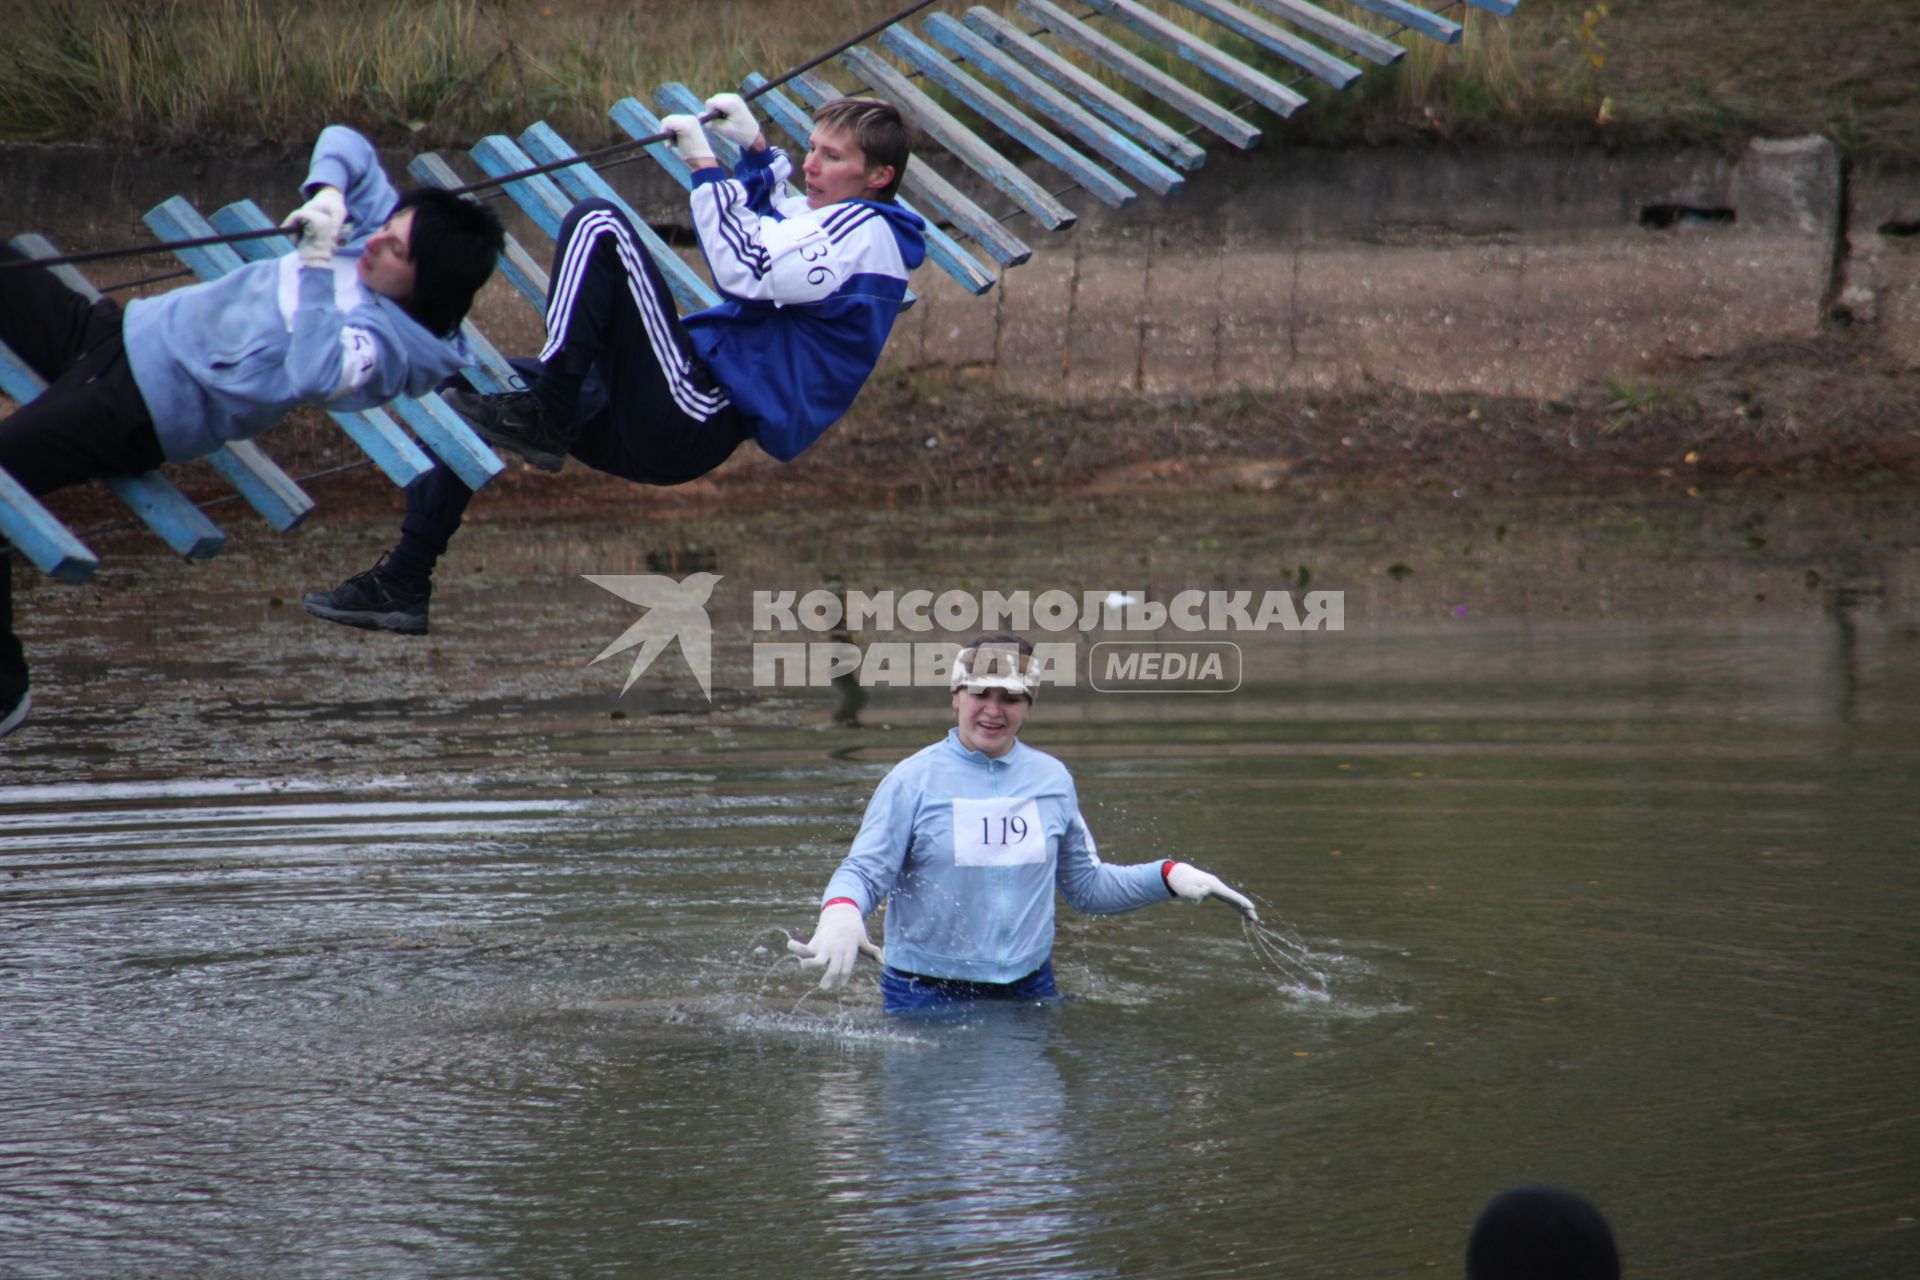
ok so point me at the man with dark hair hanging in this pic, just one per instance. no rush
(366, 308)
(810, 287)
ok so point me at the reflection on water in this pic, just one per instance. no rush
(436, 970)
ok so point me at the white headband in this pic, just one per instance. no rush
(995, 666)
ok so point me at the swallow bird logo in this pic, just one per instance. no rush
(674, 611)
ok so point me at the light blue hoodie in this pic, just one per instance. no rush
(967, 851)
(226, 359)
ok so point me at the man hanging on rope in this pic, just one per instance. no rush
(811, 287)
(367, 307)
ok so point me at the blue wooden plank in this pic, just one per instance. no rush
(1310, 58)
(1094, 96)
(1311, 17)
(1069, 30)
(269, 490)
(1006, 117)
(934, 192)
(1413, 18)
(961, 142)
(35, 245)
(518, 266)
(46, 543)
(582, 182)
(1232, 72)
(1502, 8)
(166, 511)
(945, 251)
(180, 524)
(442, 430)
(675, 96)
(1108, 141)
(539, 197)
(640, 121)
(399, 457)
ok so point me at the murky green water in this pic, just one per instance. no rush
(328, 954)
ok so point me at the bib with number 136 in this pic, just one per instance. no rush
(1001, 832)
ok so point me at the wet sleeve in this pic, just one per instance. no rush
(880, 848)
(1096, 887)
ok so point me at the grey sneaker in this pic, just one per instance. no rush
(517, 421)
(375, 601)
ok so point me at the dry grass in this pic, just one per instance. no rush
(442, 72)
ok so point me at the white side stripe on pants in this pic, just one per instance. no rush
(694, 402)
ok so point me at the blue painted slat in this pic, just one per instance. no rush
(46, 543)
(1501, 8)
(442, 430)
(965, 145)
(640, 121)
(1006, 117)
(35, 245)
(675, 96)
(180, 524)
(152, 497)
(1069, 30)
(17, 378)
(945, 251)
(1097, 98)
(399, 457)
(1311, 17)
(516, 264)
(1413, 18)
(945, 200)
(583, 182)
(282, 503)
(539, 197)
(979, 53)
(1232, 72)
(1310, 58)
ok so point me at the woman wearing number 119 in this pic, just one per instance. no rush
(966, 841)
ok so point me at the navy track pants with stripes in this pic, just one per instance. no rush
(617, 363)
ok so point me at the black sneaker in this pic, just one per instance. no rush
(517, 421)
(375, 600)
(14, 714)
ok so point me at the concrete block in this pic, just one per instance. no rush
(1427, 318)
(1030, 350)
(1110, 310)
(1254, 284)
(1791, 186)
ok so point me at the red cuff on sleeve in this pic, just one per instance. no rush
(831, 901)
(1166, 870)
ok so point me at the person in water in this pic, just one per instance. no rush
(967, 842)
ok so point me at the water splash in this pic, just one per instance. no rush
(1289, 957)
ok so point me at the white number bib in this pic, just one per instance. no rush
(1001, 832)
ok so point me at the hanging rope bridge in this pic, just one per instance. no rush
(1043, 85)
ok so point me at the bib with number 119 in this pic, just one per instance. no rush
(1000, 832)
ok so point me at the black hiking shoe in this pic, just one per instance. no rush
(375, 601)
(517, 421)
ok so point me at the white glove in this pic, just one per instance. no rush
(1195, 885)
(839, 938)
(688, 138)
(323, 226)
(734, 121)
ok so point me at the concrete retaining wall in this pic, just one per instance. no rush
(1511, 270)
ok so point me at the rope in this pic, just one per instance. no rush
(589, 158)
